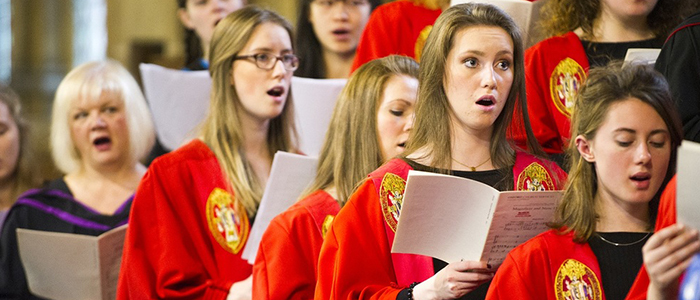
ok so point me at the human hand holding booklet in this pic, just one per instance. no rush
(453, 218)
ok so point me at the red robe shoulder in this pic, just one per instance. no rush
(285, 267)
(186, 232)
(399, 27)
(555, 68)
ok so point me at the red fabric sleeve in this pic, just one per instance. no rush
(542, 121)
(169, 251)
(285, 267)
(355, 260)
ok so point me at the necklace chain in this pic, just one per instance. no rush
(624, 244)
(473, 169)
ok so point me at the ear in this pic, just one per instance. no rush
(585, 148)
(185, 18)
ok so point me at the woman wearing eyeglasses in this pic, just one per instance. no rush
(194, 207)
(328, 32)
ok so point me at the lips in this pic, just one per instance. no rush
(276, 91)
(641, 179)
(341, 33)
(487, 101)
(402, 145)
(102, 143)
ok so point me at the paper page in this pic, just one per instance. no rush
(687, 191)
(314, 100)
(526, 14)
(179, 101)
(111, 246)
(519, 216)
(443, 216)
(645, 56)
(290, 175)
(60, 265)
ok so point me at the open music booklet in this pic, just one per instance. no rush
(453, 218)
(72, 266)
(687, 202)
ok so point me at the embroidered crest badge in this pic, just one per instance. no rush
(564, 82)
(575, 281)
(535, 178)
(228, 221)
(391, 198)
(420, 41)
(326, 225)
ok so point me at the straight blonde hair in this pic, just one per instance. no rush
(352, 147)
(222, 129)
(432, 128)
(604, 87)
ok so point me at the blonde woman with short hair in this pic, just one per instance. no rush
(193, 210)
(100, 128)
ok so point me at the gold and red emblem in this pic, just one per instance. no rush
(420, 41)
(327, 222)
(391, 198)
(564, 82)
(535, 178)
(576, 281)
(228, 221)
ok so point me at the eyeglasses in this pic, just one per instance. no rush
(267, 61)
(351, 3)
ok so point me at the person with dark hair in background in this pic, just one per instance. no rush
(328, 32)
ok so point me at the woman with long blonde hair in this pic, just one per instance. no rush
(370, 125)
(470, 76)
(194, 207)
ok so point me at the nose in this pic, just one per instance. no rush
(488, 77)
(642, 155)
(217, 5)
(340, 10)
(98, 122)
(279, 69)
(409, 122)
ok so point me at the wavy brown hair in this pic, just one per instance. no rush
(352, 147)
(604, 87)
(222, 129)
(562, 16)
(432, 128)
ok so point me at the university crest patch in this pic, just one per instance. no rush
(535, 178)
(564, 82)
(575, 281)
(391, 198)
(228, 221)
(327, 222)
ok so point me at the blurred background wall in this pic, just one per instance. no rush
(41, 40)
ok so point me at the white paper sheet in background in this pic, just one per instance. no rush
(645, 56)
(525, 14)
(454, 218)
(688, 191)
(179, 101)
(72, 266)
(290, 175)
(314, 100)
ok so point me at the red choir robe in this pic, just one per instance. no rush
(356, 260)
(555, 68)
(399, 27)
(552, 266)
(285, 267)
(186, 232)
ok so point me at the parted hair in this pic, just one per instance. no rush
(89, 81)
(25, 175)
(562, 16)
(432, 127)
(604, 87)
(222, 129)
(352, 148)
(311, 63)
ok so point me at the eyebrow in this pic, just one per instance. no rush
(479, 52)
(629, 130)
(264, 49)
